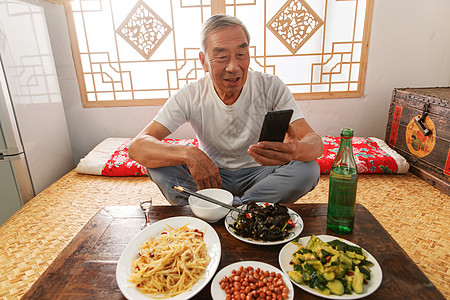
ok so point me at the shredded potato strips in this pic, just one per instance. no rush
(171, 263)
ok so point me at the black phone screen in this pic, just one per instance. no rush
(275, 125)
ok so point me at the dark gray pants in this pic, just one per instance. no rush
(284, 184)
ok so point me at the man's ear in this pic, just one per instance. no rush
(202, 58)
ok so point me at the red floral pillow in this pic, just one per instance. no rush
(371, 155)
(120, 164)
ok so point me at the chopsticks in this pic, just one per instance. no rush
(206, 198)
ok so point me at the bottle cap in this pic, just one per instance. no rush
(347, 132)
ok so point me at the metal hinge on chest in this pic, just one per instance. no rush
(420, 120)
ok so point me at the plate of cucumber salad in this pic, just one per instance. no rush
(330, 267)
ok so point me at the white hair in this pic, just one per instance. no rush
(216, 22)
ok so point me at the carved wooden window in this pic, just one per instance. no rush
(140, 52)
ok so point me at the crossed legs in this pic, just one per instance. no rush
(284, 184)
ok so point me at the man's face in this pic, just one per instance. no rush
(227, 59)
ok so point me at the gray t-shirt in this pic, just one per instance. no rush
(225, 132)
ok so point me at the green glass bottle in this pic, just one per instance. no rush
(342, 189)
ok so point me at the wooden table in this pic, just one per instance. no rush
(86, 267)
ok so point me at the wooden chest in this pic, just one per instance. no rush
(418, 128)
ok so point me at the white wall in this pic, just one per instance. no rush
(409, 47)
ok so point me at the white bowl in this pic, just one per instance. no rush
(208, 211)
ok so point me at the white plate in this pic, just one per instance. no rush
(376, 274)
(293, 233)
(218, 294)
(130, 253)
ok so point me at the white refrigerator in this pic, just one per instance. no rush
(35, 147)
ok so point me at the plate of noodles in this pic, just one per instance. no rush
(173, 258)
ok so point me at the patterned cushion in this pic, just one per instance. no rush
(372, 155)
(119, 164)
(369, 156)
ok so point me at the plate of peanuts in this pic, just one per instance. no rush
(251, 280)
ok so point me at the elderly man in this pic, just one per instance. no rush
(226, 109)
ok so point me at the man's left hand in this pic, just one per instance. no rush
(275, 153)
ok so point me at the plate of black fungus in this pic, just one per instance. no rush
(264, 223)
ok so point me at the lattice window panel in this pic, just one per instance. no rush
(141, 52)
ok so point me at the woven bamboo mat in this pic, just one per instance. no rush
(414, 213)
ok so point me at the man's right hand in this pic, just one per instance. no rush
(148, 150)
(203, 170)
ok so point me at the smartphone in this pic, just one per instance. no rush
(275, 125)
